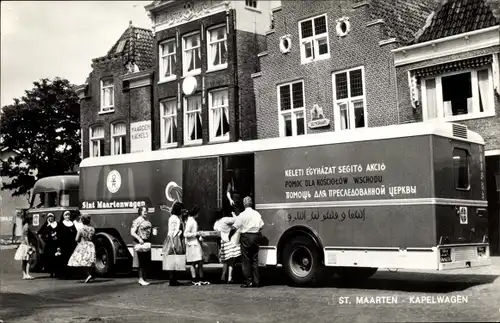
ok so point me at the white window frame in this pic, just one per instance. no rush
(163, 116)
(293, 111)
(121, 136)
(212, 67)
(187, 140)
(489, 109)
(99, 139)
(185, 62)
(173, 55)
(249, 2)
(107, 108)
(212, 127)
(349, 101)
(314, 41)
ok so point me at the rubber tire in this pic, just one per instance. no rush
(317, 268)
(356, 273)
(103, 247)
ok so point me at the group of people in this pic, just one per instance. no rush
(184, 244)
(67, 244)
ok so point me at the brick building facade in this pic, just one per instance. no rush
(205, 53)
(329, 67)
(450, 72)
(116, 100)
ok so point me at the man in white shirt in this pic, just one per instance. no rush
(249, 223)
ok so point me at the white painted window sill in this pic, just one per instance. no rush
(167, 146)
(106, 112)
(191, 73)
(465, 117)
(253, 9)
(321, 58)
(217, 68)
(219, 140)
(193, 143)
(168, 79)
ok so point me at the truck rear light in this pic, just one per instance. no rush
(481, 251)
(445, 255)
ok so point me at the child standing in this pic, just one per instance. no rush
(24, 250)
(194, 252)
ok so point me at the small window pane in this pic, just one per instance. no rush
(285, 97)
(457, 94)
(344, 116)
(359, 114)
(308, 48)
(300, 123)
(461, 168)
(69, 198)
(322, 46)
(288, 125)
(306, 28)
(356, 82)
(37, 201)
(341, 85)
(320, 25)
(297, 95)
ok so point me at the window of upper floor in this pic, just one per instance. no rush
(349, 99)
(217, 47)
(168, 125)
(191, 54)
(218, 115)
(251, 3)
(118, 135)
(167, 52)
(107, 95)
(193, 124)
(96, 141)
(314, 41)
(459, 95)
(291, 109)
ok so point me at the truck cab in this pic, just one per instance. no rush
(54, 194)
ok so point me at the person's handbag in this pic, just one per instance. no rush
(142, 247)
(174, 261)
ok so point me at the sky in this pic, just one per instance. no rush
(45, 39)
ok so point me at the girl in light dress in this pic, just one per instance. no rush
(24, 250)
(84, 254)
(229, 250)
(194, 252)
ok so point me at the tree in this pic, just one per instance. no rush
(43, 129)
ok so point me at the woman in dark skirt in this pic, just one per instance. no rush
(51, 251)
(67, 235)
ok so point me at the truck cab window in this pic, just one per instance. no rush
(68, 198)
(37, 201)
(51, 199)
(461, 168)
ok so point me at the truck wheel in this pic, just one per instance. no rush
(104, 264)
(356, 273)
(302, 261)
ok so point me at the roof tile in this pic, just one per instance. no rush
(459, 16)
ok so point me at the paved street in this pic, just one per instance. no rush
(123, 300)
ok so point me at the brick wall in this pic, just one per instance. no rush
(240, 47)
(135, 100)
(359, 48)
(488, 128)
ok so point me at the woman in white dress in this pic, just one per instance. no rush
(24, 250)
(194, 252)
(173, 244)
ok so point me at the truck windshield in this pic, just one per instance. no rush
(461, 168)
(44, 200)
(68, 198)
